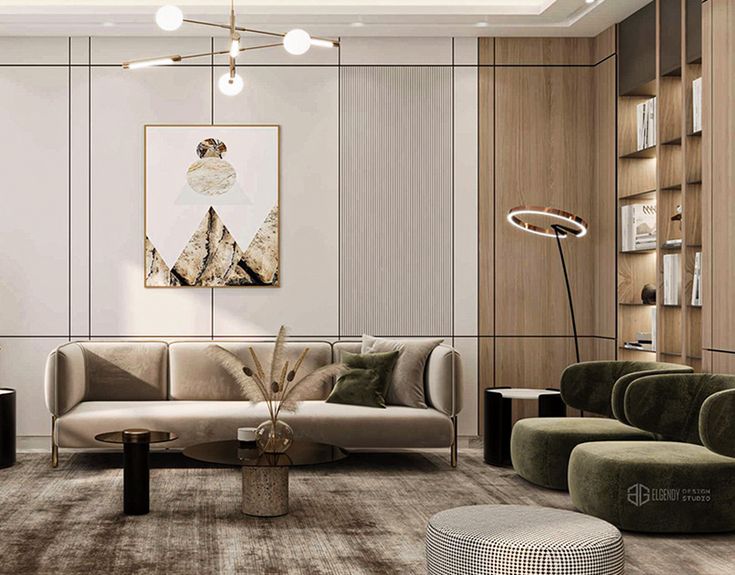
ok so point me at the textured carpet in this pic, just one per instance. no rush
(366, 514)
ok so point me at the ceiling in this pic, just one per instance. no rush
(327, 17)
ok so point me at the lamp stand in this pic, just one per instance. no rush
(560, 230)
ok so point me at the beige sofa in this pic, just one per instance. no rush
(94, 387)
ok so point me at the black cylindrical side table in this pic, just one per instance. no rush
(7, 427)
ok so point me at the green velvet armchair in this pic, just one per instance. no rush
(540, 447)
(682, 483)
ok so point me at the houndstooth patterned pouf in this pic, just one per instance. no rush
(521, 540)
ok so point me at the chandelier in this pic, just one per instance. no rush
(170, 18)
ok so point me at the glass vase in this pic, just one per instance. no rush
(274, 436)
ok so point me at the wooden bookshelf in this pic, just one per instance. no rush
(668, 174)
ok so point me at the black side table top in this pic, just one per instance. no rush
(136, 436)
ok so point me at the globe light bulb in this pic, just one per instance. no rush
(297, 42)
(230, 86)
(169, 18)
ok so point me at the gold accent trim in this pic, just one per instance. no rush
(556, 213)
(145, 198)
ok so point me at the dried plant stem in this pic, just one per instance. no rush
(258, 366)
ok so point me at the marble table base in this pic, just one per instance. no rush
(265, 491)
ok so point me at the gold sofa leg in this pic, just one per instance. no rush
(54, 447)
(453, 449)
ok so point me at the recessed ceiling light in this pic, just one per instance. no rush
(590, 1)
(482, 24)
(108, 24)
(357, 24)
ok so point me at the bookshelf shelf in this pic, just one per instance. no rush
(670, 184)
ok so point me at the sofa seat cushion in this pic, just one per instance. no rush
(349, 426)
(654, 486)
(540, 447)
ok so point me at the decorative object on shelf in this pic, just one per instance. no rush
(672, 244)
(697, 105)
(213, 222)
(280, 388)
(677, 217)
(170, 18)
(246, 436)
(646, 124)
(648, 294)
(564, 224)
(672, 279)
(697, 280)
(638, 227)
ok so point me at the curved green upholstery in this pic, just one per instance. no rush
(675, 486)
(589, 385)
(540, 447)
(669, 405)
(621, 385)
(655, 487)
(717, 422)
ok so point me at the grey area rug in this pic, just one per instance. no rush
(366, 514)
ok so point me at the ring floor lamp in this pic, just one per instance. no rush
(562, 225)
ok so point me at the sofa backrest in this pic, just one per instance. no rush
(196, 375)
(107, 371)
(589, 385)
(670, 405)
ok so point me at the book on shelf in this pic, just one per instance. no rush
(646, 124)
(672, 279)
(697, 280)
(697, 105)
(637, 346)
(671, 244)
(638, 227)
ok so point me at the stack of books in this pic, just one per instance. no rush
(697, 280)
(644, 341)
(638, 227)
(697, 105)
(672, 279)
(646, 124)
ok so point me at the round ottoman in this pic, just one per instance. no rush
(521, 540)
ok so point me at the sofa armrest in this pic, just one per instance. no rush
(66, 378)
(444, 380)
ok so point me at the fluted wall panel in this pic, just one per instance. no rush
(396, 200)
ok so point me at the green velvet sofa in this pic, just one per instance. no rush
(540, 447)
(682, 483)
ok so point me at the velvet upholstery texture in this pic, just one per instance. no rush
(621, 385)
(717, 422)
(540, 447)
(366, 383)
(655, 487)
(670, 405)
(589, 385)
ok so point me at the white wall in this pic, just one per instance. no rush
(72, 195)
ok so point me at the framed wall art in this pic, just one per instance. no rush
(212, 202)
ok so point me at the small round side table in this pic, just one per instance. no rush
(498, 417)
(7, 427)
(136, 473)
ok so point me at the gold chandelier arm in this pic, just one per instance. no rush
(165, 60)
(252, 30)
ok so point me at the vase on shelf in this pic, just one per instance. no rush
(274, 436)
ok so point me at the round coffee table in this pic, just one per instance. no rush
(264, 475)
(136, 473)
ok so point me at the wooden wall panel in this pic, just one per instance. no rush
(604, 45)
(602, 234)
(545, 120)
(486, 201)
(486, 51)
(486, 377)
(722, 85)
(706, 177)
(545, 51)
(544, 360)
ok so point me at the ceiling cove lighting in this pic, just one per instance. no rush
(170, 18)
(562, 224)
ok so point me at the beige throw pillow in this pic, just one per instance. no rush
(407, 381)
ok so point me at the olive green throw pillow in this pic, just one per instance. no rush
(367, 380)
